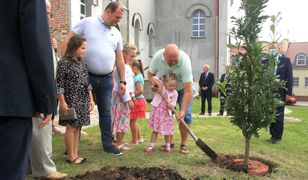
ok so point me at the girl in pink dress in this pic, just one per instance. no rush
(121, 104)
(161, 116)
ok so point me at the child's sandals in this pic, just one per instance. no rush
(149, 149)
(123, 147)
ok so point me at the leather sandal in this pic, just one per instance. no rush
(183, 149)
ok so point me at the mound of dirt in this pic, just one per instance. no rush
(130, 173)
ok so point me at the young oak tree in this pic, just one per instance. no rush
(253, 98)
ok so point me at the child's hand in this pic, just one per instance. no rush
(131, 104)
(91, 104)
(169, 105)
(134, 100)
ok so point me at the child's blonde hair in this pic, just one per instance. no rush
(129, 47)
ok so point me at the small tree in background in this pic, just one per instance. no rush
(275, 36)
(252, 101)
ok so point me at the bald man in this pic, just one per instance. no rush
(41, 163)
(173, 60)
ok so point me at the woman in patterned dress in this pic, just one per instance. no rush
(161, 115)
(74, 91)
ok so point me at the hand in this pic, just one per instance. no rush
(91, 104)
(131, 104)
(63, 107)
(54, 43)
(287, 98)
(134, 100)
(154, 87)
(180, 116)
(169, 105)
(122, 88)
(46, 119)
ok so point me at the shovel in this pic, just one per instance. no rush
(204, 147)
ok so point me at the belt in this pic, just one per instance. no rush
(100, 75)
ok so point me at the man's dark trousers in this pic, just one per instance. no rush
(15, 141)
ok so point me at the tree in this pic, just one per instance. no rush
(275, 36)
(253, 98)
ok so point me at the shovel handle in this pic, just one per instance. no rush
(181, 121)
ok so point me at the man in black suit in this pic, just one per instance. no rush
(284, 71)
(222, 95)
(26, 81)
(205, 85)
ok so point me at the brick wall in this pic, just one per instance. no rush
(59, 23)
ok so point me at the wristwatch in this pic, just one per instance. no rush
(124, 82)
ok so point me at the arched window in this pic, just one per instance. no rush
(301, 60)
(151, 34)
(138, 25)
(198, 23)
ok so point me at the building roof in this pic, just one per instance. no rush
(296, 48)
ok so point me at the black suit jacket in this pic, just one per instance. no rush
(208, 81)
(284, 71)
(27, 82)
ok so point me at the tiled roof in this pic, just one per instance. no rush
(296, 48)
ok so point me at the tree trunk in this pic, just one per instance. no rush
(247, 149)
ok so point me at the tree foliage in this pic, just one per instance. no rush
(253, 98)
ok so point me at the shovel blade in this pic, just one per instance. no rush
(205, 148)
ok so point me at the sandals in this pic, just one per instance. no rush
(149, 149)
(82, 161)
(183, 149)
(163, 147)
(123, 147)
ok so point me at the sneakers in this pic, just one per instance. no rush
(201, 114)
(55, 175)
(149, 149)
(113, 149)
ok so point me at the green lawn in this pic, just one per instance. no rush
(291, 154)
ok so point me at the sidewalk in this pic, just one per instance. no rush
(301, 103)
(94, 115)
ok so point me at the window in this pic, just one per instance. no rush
(301, 60)
(306, 82)
(198, 24)
(95, 2)
(295, 81)
(82, 9)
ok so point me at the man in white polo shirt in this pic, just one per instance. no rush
(104, 49)
(173, 60)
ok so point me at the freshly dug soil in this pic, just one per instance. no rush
(130, 173)
(256, 166)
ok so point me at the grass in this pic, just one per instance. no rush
(291, 154)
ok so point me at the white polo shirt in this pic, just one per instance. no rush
(102, 42)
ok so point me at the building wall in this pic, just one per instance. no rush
(169, 22)
(300, 90)
(59, 22)
(173, 26)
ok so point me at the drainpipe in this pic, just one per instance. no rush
(128, 22)
(217, 40)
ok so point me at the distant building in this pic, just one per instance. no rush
(298, 53)
(198, 27)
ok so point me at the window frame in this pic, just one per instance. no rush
(306, 82)
(84, 5)
(295, 82)
(304, 59)
(197, 16)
